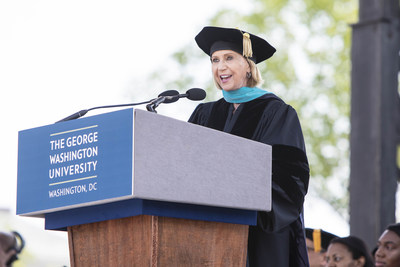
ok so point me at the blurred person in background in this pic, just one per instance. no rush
(317, 242)
(387, 253)
(348, 251)
(11, 244)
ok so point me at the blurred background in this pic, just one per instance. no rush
(58, 57)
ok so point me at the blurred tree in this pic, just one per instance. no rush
(310, 71)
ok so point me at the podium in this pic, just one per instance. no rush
(135, 188)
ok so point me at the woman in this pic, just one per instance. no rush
(317, 241)
(387, 252)
(348, 252)
(250, 112)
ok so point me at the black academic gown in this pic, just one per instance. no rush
(278, 239)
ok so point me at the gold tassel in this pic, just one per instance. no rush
(247, 49)
(317, 240)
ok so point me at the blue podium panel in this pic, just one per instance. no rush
(75, 163)
(60, 220)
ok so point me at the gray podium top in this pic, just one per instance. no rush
(182, 162)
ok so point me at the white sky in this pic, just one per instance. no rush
(58, 57)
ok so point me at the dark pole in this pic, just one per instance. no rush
(374, 108)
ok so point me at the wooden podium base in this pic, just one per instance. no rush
(157, 241)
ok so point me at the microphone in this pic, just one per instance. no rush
(195, 94)
(168, 96)
(171, 96)
(74, 116)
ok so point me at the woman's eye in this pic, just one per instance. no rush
(215, 60)
(337, 259)
(389, 247)
(229, 57)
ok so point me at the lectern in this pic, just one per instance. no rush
(135, 188)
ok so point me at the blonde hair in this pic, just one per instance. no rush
(255, 79)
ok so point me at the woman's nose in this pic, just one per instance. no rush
(379, 253)
(328, 263)
(222, 65)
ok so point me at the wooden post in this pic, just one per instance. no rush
(374, 103)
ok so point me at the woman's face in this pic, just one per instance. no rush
(338, 255)
(388, 252)
(316, 259)
(229, 69)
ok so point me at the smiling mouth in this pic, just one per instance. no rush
(225, 78)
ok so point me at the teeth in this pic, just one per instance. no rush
(224, 76)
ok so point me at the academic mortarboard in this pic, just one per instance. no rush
(320, 238)
(211, 39)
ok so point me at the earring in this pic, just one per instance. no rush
(248, 75)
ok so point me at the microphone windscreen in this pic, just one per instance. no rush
(196, 94)
(173, 93)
